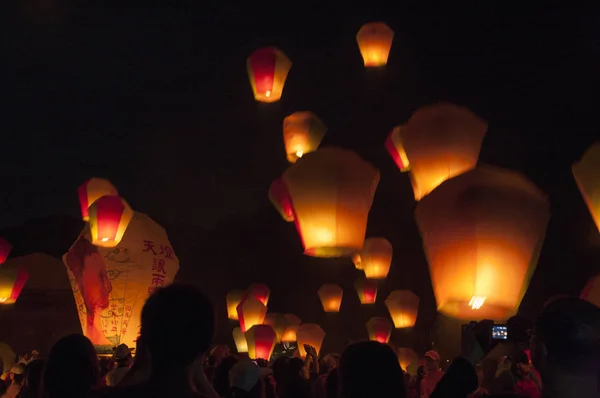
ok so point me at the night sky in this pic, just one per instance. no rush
(157, 100)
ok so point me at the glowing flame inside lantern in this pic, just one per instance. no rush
(476, 302)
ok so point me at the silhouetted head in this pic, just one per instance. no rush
(33, 375)
(332, 384)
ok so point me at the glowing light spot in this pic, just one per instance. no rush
(104, 239)
(268, 93)
(476, 302)
(299, 154)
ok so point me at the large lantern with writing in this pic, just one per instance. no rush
(302, 133)
(587, 176)
(482, 233)
(268, 68)
(12, 281)
(330, 191)
(109, 218)
(375, 42)
(239, 338)
(260, 291)
(375, 258)
(251, 311)
(310, 334)
(92, 190)
(366, 290)
(111, 285)
(5, 248)
(380, 329)
(278, 322)
(406, 356)
(403, 306)
(438, 142)
(261, 341)
(331, 297)
(233, 299)
(291, 329)
(591, 291)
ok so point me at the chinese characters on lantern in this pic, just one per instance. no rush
(160, 255)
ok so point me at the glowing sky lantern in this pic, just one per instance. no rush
(587, 175)
(591, 291)
(330, 191)
(482, 233)
(92, 190)
(375, 258)
(375, 42)
(232, 299)
(293, 323)
(12, 281)
(268, 68)
(380, 329)
(311, 334)
(111, 285)
(251, 311)
(260, 291)
(302, 133)
(366, 290)
(278, 322)
(406, 356)
(261, 341)
(331, 297)
(239, 338)
(109, 218)
(439, 141)
(281, 200)
(5, 248)
(403, 306)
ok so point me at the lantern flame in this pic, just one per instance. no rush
(299, 154)
(476, 302)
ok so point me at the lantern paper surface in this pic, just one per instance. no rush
(380, 329)
(12, 281)
(375, 42)
(403, 306)
(331, 191)
(92, 190)
(278, 322)
(233, 299)
(268, 68)
(440, 141)
(302, 133)
(111, 285)
(310, 334)
(260, 291)
(261, 341)
(591, 291)
(406, 356)
(482, 233)
(109, 218)
(5, 248)
(395, 148)
(239, 338)
(281, 200)
(367, 290)
(251, 311)
(331, 297)
(293, 323)
(357, 260)
(375, 258)
(587, 176)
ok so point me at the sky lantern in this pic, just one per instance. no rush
(406, 356)
(302, 133)
(587, 176)
(367, 290)
(281, 200)
(12, 281)
(403, 306)
(5, 248)
(293, 323)
(330, 191)
(375, 42)
(109, 218)
(261, 341)
(331, 297)
(92, 190)
(310, 334)
(260, 291)
(482, 233)
(239, 338)
(375, 258)
(111, 285)
(232, 299)
(591, 291)
(439, 141)
(268, 68)
(278, 322)
(380, 329)
(251, 311)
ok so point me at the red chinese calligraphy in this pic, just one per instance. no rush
(167, 252)
(158, 279)
(149, 246)
(158, 265)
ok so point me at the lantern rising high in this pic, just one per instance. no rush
(260, 291)
(109, 218)
(331, 297)
(290, 334)
(268, 68)
(239, 338)
(261, 341)
(380, 329)
(233, 299)
(302, 133)
(12, 281)
(278, 322)
(403, 306)
(367, 290)
(587, 176)
(591, 291)
(375, 42)
(438, 142)
(92, 190)
(330, 191)
(375, 258)
(5, 248)
(251, 311)
(310, 334)
(482, 233)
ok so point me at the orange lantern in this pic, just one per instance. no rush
(260, 291)
(251, 311)
(482, 232)
(281, 200)
(109, 218)
(239, 338)
(375, 258)
(439, 141)
(380, 329)
(403, 306)
(375, 42)
(278, 322)
(268, 68)
(367, 290)
(331, 191)
(302, 133)
(591, 291)
(261, 341)
(5, 248)
(92, 190)
(310, 334)
(290, 334)
(357, 260)
(331, 297)
(233, 299)
(406, 356)
(12, 281)
(587, 176)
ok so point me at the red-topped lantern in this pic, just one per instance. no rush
(331, 297)
(5, 248)
(380, 329)
(12, 281)
(109, 218)
(260, 291)
(251, 311)
(92, 190)
(367, 290)
(261, 341)
(268, 68)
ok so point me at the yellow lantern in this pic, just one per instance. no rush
(406, 356)
(366, 290)
(239, 339)
(375, 42)
(591, 291)
(302, 133)
(330, 191)
(291, 330)
(587, 176)
(310, 334)
(403, 306)
(331, 297)
(482, 232)
(439, 141)
(380, 329)
(251, 311)
(278, 322)
(375, 258)
(268, 68)
(233, 299)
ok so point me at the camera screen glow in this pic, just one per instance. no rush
(499, 332)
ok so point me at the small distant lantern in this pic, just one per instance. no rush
(92, 190)
(239, 338)
(251, 311)
(260, 291)
(5, 248)
(12, 281)
(261, 341)
(233, 299)
(331, 297)
(302, 133)
(290, 334)
(109, 218)
(310, 334)
(367, 290)
(375, 42)
(268, 68)
(375, 258)
(591, 291)
(395, 147)
(380, 329)
(278, 322)
(403, 306)
(406, 356)
(587, 176)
